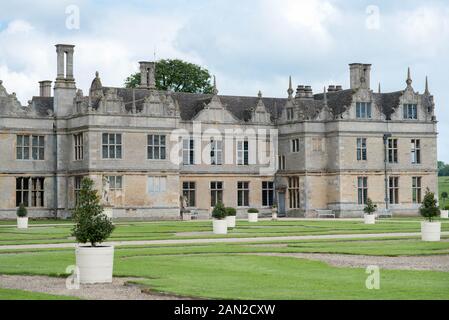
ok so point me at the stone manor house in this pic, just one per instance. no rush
(332, 149)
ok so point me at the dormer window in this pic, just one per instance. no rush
(410, 112)
(363, 110)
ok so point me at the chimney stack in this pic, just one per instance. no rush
(331, 88)
(45, 88)
(147, 75)
(338, 88)
(360, 75)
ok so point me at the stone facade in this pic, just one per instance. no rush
(325, 151)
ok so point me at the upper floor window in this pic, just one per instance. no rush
(78, 146)
(30, 147)
(361, 149)
(242, 152)
(281, 159)
(363, 110)
(290, 114)
(295, 145)
(156, 149)
(157, 184)
(415, 151)
(188, 151)
(393, 150)
(30, 191)
(216, 152)
(112, 146)
(410, 111)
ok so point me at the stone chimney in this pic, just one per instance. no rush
(300, 92)
(331, 88)
(360, 75)
(308, 92)
(45, 88)
(338, 88)
(147, 75)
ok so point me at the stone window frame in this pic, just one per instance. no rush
(189, 191)
(415, 151)
(216, 152)
(34, 149)
(115, 182)
(78, 146)
(293, 193)
(362, 150)
(243, 196)
(156, 184)
(159, 144)
(32, 194)
(115, 145)
(410, 111)
(393, 189)
(363, 110)
(290, 113)
(392, 150)
(216, 192)
(295, 145)
(242, 151)
(267, 193)
(362, 190)
(77, 188)
(188, 151)
(417, 190)
(281, 162)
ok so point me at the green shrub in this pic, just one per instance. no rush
(22, 211)
(446, 208)
(253, 210)
(370, 207)
(219, 211)
(91, 225)
(429, 207)
(231, 212)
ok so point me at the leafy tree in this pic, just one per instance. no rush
(178, 76)
(219, 211)
(91, 225)
(429, 208)
(444, 196)
(443, 169)
(370, 207)
(22, 211)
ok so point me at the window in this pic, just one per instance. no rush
(416, 189)
(363, 110)
(242, 194)
(156, 147)
(416, 151)
(30, 146)
(267, 193)
(295, 145)
(362, 189)
(30, 192)
(290, 114)
(216, 192)
(188, 191)
(281, 162)
(293, 192)
(393, 150)
(410, 112)
(112, 146)
(79, 146)
(242, 152)
(216, 152)
(188, 151)
(115, 183)
(77, 188)
(393, 188)
(157, 184)
(361, 149)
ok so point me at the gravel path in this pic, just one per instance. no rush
(434, 262)
(119, 289)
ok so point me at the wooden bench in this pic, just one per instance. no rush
(325, 213)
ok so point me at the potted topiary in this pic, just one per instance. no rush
(445, 213)
(230, 217)
(95, 262)
(253, 215)
(370, 209)
(430, 230)
(220, 226)
(22, 217)
(274, 212)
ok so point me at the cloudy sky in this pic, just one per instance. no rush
(250, 45)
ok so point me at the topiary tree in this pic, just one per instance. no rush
(91, 225)
(370, 207)
(231, 212)
(22, 211)
(444, 196)
(253, 210)
(219, 211)
(429, 208)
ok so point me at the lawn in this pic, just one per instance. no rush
(12, 294)
(443, 185)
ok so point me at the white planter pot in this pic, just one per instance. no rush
(430, 231)
(220, 226)
(95, 263)
(444, 214)
(370, 218)
(22, 222)
(230, 221)
(274, 215)
(253, 217)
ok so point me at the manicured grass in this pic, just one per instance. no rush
(443, 185)
(203, 229)
(12, 294)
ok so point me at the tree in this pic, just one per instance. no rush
(429, 207)
(91, 225)
(444, 196)
(22, 211)
(370, 207)
(443, 169)
(219, 211)
(178, 76)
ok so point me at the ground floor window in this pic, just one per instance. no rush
(393, 188)
(115, 183)
(157, 184)
(188, 191)
(267, 193)
(243, 194)
(216, 192)
(416, 189)
(30, 191)
(293, 192)
(77, 188)
(362, 188)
